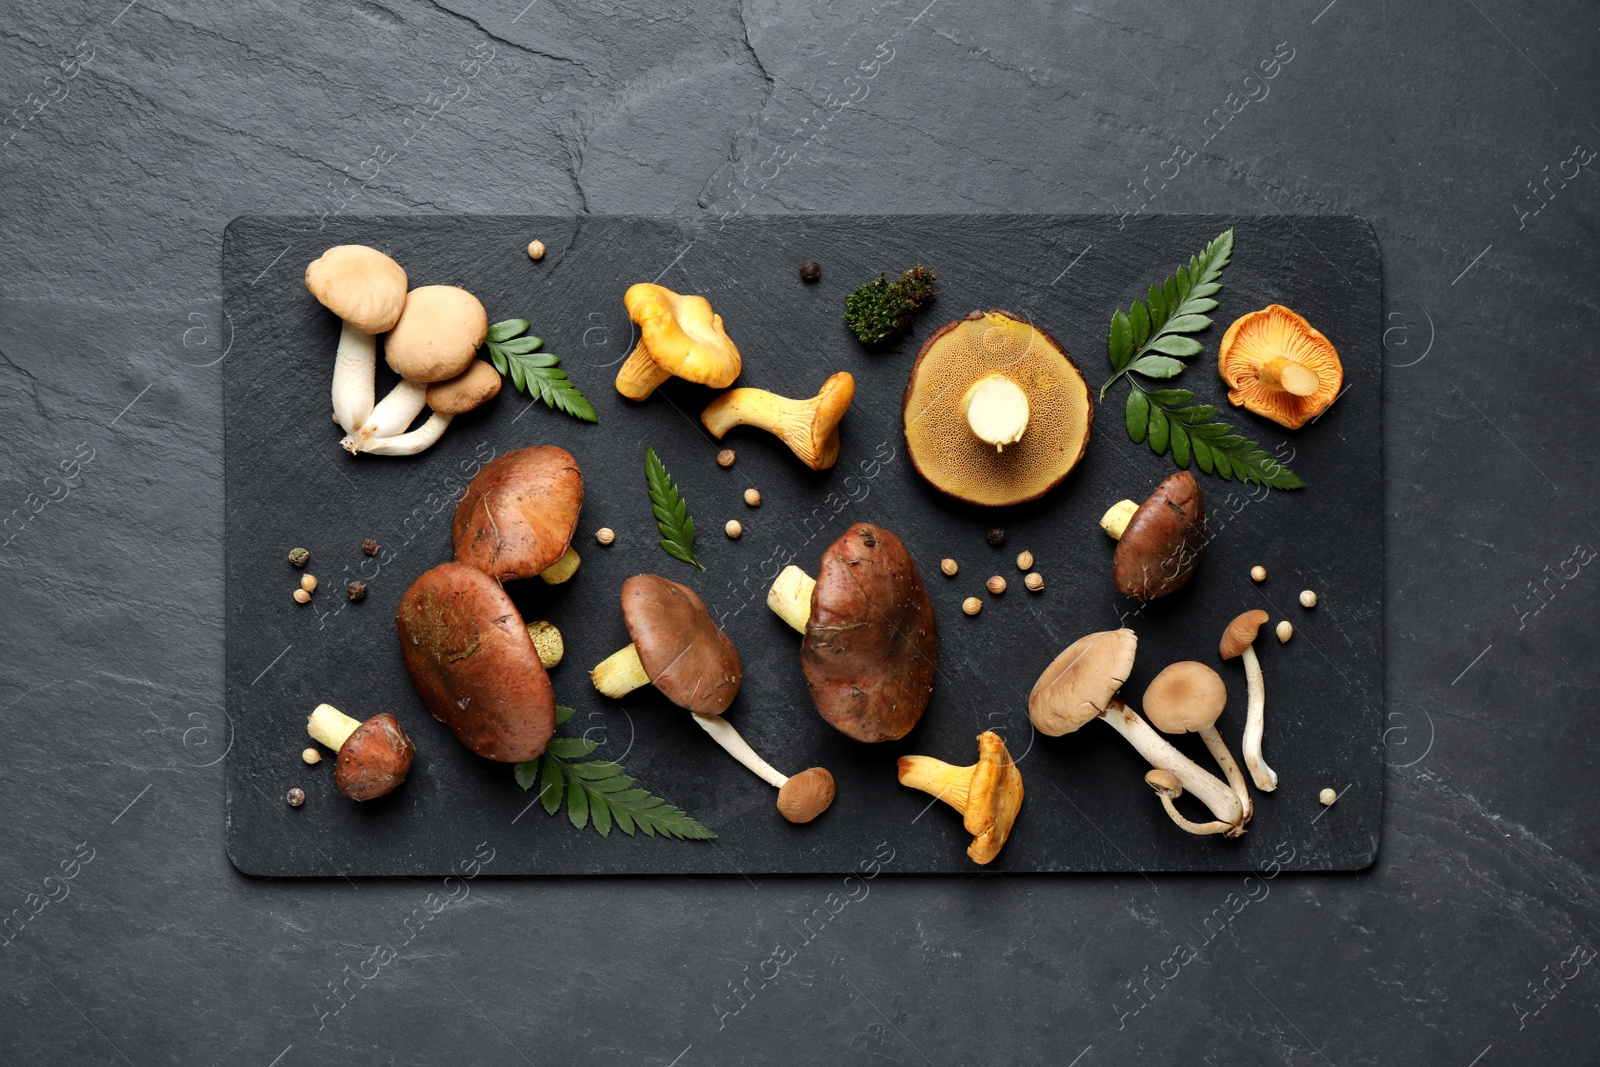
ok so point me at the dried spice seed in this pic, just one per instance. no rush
(1285, 631)
(302, 597)
(1258, 573)
(1025, 561)
(1034, 581)
(1327, 796)
(996, 536)
(370, 547)
(298, 556)
(726, 457)
(311, 755)
(1308, 599)
(949, 567)
(605, 535)
(810, 270)
(535, 249)
(752, 497)
(733, 529)
(296, 797)
(356, 589)
(308, 582)
(996, 585)
(972, 605)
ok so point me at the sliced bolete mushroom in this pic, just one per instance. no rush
(1238, 641)
(472, 388)
(1168, 789)
(1189, 697)
(988, 794)
(679, 336)
(1081, 685)
(995, 412)
(809, 427)
(437, 335)
(870, 636)
(801, 798)
(547, 641)
(517, 516)
(374, 756)
(474, 665)
(367, 290)
(1277, 364)
(1160, 541)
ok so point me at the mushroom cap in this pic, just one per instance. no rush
(1081, 681)
(870, 644)
(473, 387)
(438, 334)
(683, 335)
(474, 665)
(690, 660)
(994, 797)
(361, 285)
(374, 759)
(1186, 697)
(1161, 547)
(806, 795)
(942, 445)
(518, 513)
(1266, 334)
(1163, 782)
(1241, 633)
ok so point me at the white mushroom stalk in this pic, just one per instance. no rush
(1167, 788)
(723, 733)
(1219, 751)
(1210, 790)
(392, 416)
(790, 596)
(410, 443)
(355, 370)
(1255, 722)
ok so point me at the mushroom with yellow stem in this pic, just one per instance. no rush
(679, 336)
(1238, 642)
(374, 756)
(1168, 789)
(1159, 542)
(518, 515)
(1189, 697)
(367, 290)
(471, 389)
(1277, 364)
(988, 794)
(809, 427)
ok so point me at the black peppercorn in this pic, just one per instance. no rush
(296, 797)
(356, 589)
(370, 547)
(996, 536)
(810, 270)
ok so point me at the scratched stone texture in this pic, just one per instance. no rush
(133, 133)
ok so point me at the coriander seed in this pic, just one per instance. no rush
(996, 536)
(1327, 796)
(1258, 573)
(605, 535)
(1034, 581)
(1308, 599)
(949, 567)
(972, 605)
(370, 547)
(733, 529)
(535, 250)
(308, 582)
(296, 797)
(311, 756)
(810, 270)
(302, 597)
(1285, 631)
(1025, 561)
(726, 457)
(298, 556)
(356, 590)
(752, 497)
(996, 585)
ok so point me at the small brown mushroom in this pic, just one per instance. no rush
(374, 756)
(870, 636)
(518, 515)
(1238, 641)
(1168, 789)
(471, 389)
(988, 794)
(1189, 697)
(474, 665)
(1160, 541)
(801, 798)
(809, 427)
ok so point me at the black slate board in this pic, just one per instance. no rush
(288, 484)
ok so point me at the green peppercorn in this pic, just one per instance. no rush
(356, 589)
(298, 556)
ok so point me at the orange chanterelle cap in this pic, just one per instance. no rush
(1277, 364)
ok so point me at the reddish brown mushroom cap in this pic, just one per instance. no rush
(1241, 633)
(474, 664)
(517, 515)
(806, 795)
(869, 649)
(687, 657)
(1161, 547)
(374, 759)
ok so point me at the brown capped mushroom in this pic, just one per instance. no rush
(472, 388)
(518, 515)
(1238, 641)
(801, 798)
(1081, 686)
(374, 756)
(988, 794)
(1160, 541)
(870, 636)
(1168, 789)
(809, 427)
(1189, 697)
(678, 336)
(474, 665)
(437, 334)
(367, 290)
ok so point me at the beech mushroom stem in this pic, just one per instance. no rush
(1219, 751)
(997, 410)
(620, 673)
(411, 443)
(723, 733)
(790, 596)
(392, 417)
(355, 368)
(561, 569)
(1117, 517)
(1265, 777)
(331, 726)
(1210, 790)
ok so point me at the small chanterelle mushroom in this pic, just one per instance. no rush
(1277, 364)
(1238, 640)
(374, 756)
(988, 794)
(367, 290)
(1081, 685)
(679, 336)
(809, 427)
(1160, 541)
(1189, 697)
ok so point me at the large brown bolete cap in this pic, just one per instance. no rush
(1241, 633)
(437, 335)
(517, 515)
(943, 447)
(687, 657)
(1161, 546)
(870, 644)
(1186, 697)
(1081, 681)
(361, 285)
(374, 759)
(474, 664)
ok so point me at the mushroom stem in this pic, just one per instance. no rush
(409, 444)
(391, 418)
(331, 726)
(790, 596)
(1265, 777)
(547, 642)
(723, 733)
(1285, 374)
(940, 780)
(1210, 790)
(561, 569)
(997, 410)
(1219, 752)
(639, 375)
(1215, 826)
(355, 369)
(620, 673)
(1117, 517)
(809, 427)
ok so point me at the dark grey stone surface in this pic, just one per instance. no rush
(1468, 942)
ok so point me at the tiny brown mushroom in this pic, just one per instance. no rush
(801, 798)
(374, 756)
(474, 665)
(518, 514)
(1160, 541)
(1238, 642)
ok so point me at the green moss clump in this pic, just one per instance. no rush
(880, 309)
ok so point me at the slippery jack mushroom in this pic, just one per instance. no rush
(809, 427)
(679, 336)
(374, 756)
(988, 794)
(476, 386)
(367, 291)
(1238, 642)
(518, 515)
(1159, 542)
(870, 637)
(1189, 697)
(1277, 364)
(1081, 685)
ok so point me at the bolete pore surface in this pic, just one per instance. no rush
(517, 516)
(474, 665)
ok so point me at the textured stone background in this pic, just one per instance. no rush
(138, 131)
